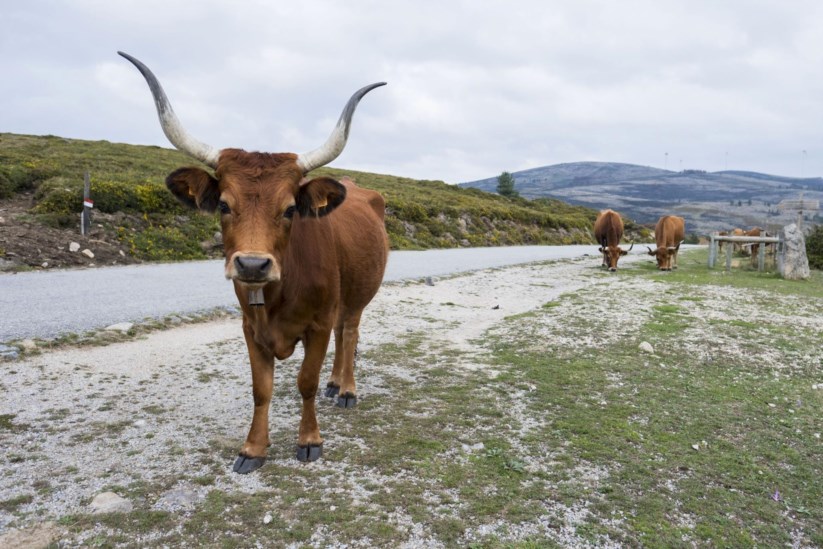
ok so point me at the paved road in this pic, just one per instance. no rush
(46, 304)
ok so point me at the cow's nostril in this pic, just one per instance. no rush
(253, 267)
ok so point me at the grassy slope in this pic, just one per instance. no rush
(129, 179)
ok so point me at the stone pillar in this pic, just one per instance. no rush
(793, 263)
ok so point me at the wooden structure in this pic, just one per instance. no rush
(800, 205)
(715, 238)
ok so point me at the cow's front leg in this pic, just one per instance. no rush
(309, 442)
(253, 454)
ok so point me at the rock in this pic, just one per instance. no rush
(793, 263)
(8, 352)
(120, 327)
(2, 220)
(41, 535)
(45, 264)
(429, 281)
(267, 519)
(88, 253)
(109, 502)
(140, 423)
(74, 247)
(122, 253)
(646, 347)
(180, 498)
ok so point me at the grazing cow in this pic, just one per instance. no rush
(305, 257)
(669, 234)
(737, 246)
(608, 230)
(754, 247)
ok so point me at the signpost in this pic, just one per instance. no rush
(88, 204)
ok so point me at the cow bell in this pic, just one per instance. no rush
(256, 298)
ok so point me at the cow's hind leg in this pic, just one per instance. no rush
(342, 383)
(333, 385)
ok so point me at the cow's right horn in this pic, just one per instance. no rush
(336, 142)
(172, 127)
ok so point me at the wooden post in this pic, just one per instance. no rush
(88, 204)
(712, 250)
(729, 257)
(761, 257)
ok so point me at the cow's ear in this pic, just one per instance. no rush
(319, 197)
(195, 188)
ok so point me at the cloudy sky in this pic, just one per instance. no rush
(474, 87)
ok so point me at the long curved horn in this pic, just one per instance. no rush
(172, 127)
(337, 140)
(630, 247)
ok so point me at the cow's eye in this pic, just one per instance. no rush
(289, 213)
(223, 207)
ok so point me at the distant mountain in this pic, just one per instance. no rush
(708, 201)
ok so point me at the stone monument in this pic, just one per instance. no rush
(792, 261)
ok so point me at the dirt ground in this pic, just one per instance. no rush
(26, 244)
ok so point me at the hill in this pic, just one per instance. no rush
(136, 219)
(708, 201)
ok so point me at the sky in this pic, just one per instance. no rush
(475, 88)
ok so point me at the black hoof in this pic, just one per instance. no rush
(347, 401)
(332, 390)
(312, 452)
(245, 465)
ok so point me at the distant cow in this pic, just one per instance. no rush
(608, 230)
(305, 257)
(669, 233)
(736, 246)
(755, 247)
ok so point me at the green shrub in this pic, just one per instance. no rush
(59, 195)
(163, 244)
(18, 178)
(814, 248)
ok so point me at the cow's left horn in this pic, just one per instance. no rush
(172, 127)
(337, 140)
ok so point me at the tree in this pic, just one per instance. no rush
(814, 248)
(505, 185)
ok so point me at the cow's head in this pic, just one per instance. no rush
(257, 194)
(663, 255)
(612, 254)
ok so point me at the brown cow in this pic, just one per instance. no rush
(608, 230)
(669, 233)
(753, 248)
(305, 257)
(737, 246)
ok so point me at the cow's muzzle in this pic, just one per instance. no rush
(252, 268)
